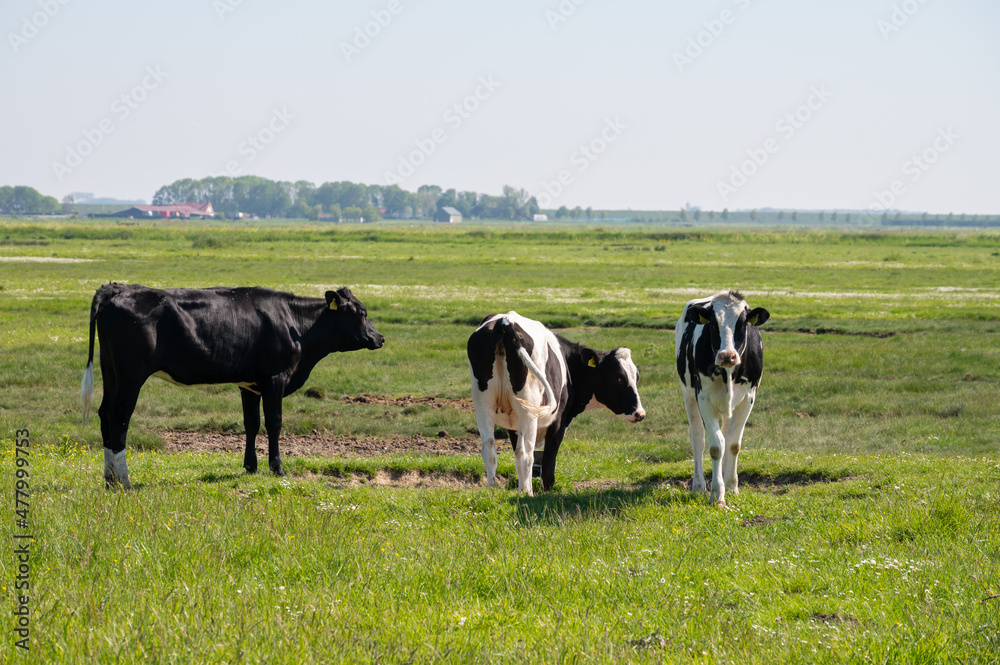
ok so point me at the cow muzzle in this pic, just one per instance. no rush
(727, 359)
(636, 417)
(376, 342)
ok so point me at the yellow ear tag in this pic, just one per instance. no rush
(333, 305)
(753, 320)
(702, 320)
(592, 362)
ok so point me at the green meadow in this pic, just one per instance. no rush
(867, 527)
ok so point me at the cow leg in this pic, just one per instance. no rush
(734, 440)
(251, 422)
(524, 454)
(553, 439)
(482, 402)
(272, 423)
(696, 430)
(484, 421)
(119, 414)
(108, 398)
(716, 442)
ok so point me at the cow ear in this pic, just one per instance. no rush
(758, 316)
(697, 315)
(589, 357)
(334, 299)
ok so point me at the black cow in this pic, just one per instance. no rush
(264, 341)
(509, 389)
(720, 359)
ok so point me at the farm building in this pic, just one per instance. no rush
(448, 214)
(540, 218)
(182, 211)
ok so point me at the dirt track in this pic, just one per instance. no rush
(321, 445)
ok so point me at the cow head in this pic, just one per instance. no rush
(352, 329)
(725, 318)
(616, 382)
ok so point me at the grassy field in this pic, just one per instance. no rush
(867, 528)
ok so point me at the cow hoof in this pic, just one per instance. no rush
(251, 469)
(276, 468)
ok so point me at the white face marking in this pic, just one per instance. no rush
(624, 356)
(727, 311)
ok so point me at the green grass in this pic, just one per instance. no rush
(867, 526)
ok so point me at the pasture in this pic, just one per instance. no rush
(867, 528)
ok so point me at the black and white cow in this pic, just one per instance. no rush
(264, 341)
(720, 360)
(534, 383)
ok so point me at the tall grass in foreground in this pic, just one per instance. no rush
(884, 559)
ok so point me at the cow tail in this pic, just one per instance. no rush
(539, 411)
(87, 385)
(550, 396)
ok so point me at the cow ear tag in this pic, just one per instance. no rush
(702, 319)
(753, 319)
(592, 362)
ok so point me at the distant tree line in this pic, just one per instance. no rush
(342, 200)
(27, 201)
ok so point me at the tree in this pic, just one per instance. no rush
(428, 194)
(395, 200)
(562, 212)
(352, 213)
(795, 215)
(23, 200)
(725, 214)
(370, 214)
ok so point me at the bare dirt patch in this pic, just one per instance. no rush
(412, 478)
(830, 619)
(412, 400)
(760, 520)
(320, 445)
(41, 259)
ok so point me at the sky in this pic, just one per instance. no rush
(649, 105)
